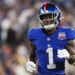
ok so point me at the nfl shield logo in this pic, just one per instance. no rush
(61, 36)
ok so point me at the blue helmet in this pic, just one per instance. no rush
(53, 11)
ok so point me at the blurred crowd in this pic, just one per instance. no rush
(16, 18)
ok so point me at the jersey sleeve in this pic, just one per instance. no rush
(30, 34)
(71, 34)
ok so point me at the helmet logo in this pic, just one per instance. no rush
(45, 7)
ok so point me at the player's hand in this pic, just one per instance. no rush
(30, 66)
(63, 54)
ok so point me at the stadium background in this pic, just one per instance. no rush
(16, 18)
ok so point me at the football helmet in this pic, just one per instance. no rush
(49, 15)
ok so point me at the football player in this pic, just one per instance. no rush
(51, 44)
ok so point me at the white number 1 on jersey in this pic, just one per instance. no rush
(51, 65)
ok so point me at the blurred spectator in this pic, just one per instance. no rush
(5, 24)
(7, 59)
(66, 21)
(6, 52)
(9, 2)
(21, 56)
(11, 37)
(0, 35)
(2, 69)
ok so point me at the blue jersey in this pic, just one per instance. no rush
(47, 47)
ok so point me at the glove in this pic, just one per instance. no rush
(30, 66)
(63, 54)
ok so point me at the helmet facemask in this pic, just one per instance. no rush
(49, 20)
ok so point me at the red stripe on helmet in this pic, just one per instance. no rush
(45, 7)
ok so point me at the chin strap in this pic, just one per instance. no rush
(49, 27)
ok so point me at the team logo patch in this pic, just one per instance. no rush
(61, 36)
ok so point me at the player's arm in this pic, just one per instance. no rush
(71, 49)
(30, 65)
(32, 56)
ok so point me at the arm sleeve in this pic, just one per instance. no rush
(71, 34)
